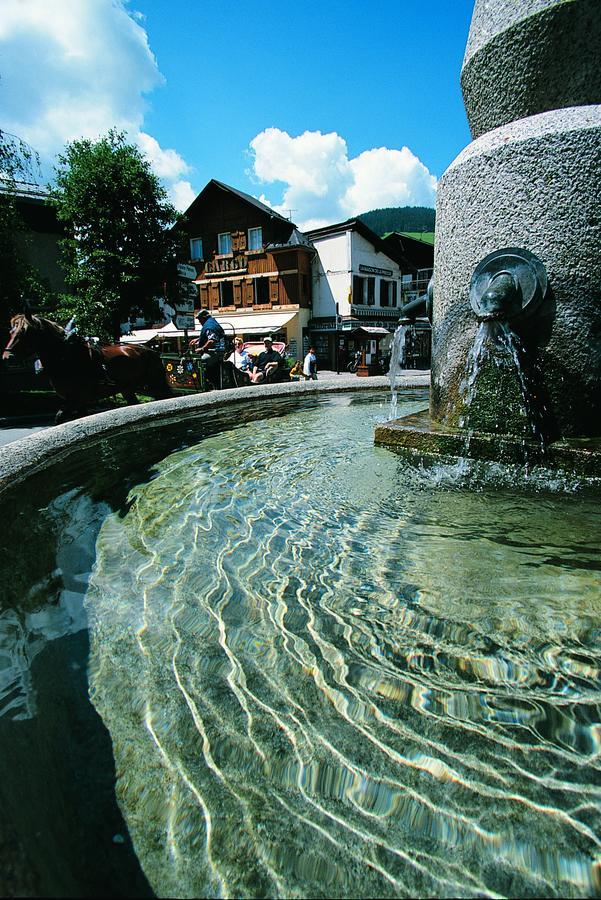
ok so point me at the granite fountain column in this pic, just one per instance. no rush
(528, 187)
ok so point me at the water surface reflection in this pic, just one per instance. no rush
(328, 674)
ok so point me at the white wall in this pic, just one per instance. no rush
(364, 253)
(331, 275)
(338, 259)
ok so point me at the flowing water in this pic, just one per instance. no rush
(495, 339)
(397, 365)
(328, 673)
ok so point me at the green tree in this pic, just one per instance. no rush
(18, 163)
(400, 218)
(119, 247)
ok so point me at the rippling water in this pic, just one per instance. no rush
(326, 673)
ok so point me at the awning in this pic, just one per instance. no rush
(232, 323)
(371, 331)
(254, 323)
(147, 334)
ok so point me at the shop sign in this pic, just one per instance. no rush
(186, 271)
(184, 305)
(218, 266)
(187, 289)
(374, 270)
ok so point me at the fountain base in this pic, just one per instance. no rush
(420, 436)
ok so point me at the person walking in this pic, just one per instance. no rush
(310, 366)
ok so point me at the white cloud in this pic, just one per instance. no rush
(181, 194)
(166, 163)
(325, 186)
(73, 69)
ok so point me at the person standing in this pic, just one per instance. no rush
(310, 365)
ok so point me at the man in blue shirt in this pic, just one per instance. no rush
(210, 345)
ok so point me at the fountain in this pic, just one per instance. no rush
(516, 361)
(245, 652)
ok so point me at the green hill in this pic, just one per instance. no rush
(413, 220)
(426, 236)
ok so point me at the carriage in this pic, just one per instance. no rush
(186, 374)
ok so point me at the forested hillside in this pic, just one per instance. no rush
(400, 218)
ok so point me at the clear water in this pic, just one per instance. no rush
(328, 673)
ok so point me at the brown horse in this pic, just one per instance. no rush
(80, 374)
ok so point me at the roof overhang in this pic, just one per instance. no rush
(233, 323)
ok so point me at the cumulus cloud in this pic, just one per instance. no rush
(324, 186)
(73, 70)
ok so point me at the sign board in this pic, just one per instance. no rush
(187, 289)
(186, 271)
(184, 305)
(184, 322)
(374, 270)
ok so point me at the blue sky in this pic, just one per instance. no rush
(327, 109)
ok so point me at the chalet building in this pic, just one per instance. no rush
(357, 291)
(253, 265)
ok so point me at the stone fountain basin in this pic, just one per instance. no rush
(421, 436)
(62, 833)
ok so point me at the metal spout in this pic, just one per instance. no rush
(507, 284)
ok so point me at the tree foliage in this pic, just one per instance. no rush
(400, 218)
(119, 246)
(18, 279)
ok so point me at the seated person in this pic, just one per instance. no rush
(211, 342)
(267, 363)
(241, 360)
(296, 371)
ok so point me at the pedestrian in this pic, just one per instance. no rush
(310, 366)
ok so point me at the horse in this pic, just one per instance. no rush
(80, 374)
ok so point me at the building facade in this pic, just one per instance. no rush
(357, 292)
(39, 242)
(253, 265)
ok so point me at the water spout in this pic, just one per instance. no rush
(508, 284)
(397, 364)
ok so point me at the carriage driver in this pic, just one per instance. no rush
(210, 345)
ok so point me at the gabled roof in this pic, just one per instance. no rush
(361, 228)
(242, 196)
(296, 239)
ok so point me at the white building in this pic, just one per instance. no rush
(357, 282)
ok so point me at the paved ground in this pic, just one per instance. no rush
(14, 428)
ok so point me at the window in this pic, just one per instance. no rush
(358, 289)
(394, 293)
(384, 292)
(196, 248)
(226, 293)
(371, 291)
(261, 290)
(224, 242)
(255, 238)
